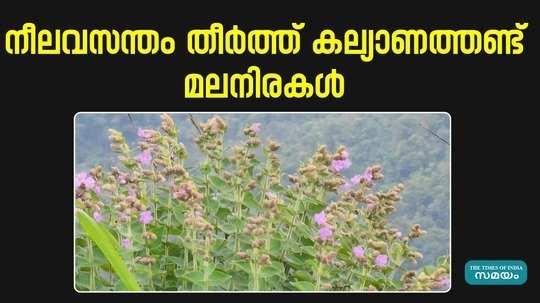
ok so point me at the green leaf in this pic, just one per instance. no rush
(278, 188)
(442, 261)
(397, 253)
(310, 250)
(275, 269)
(218, 277)
(285, 214)
(429, 269)
(302, 275)
(303, 286)
(218, 183)
(105, 241)
(228, 228)
(302, 230)
(212, 205)
(315, 206)
(176, 260)
(294, 260)
(194, 277)
(243, 265)
(250, 202)
(210, 269)
(223, 213)
(275, 246)
(205, 167)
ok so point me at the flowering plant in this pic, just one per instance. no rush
(232, 224)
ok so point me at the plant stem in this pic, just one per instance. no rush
(194, 249)
(206, 263)
(147, 250)
(364, 276)
(111, 276)
(238, 211)
(256, 278)
(186, 264)
(318, 277)
(291, 227)
(154, 201)
(169, 222)
(130, 236)
(91, 261)
(219, 157)
(264, 189)
(255, 275)
(348, 280)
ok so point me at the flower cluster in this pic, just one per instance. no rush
(340, 161)
(210, 140)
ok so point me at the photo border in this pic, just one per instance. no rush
(262, 291)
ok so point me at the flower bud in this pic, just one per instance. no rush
(423, 277)
(415, 255)
(264, 260)
(293, 179)
(273, 146)
(257, 243)
(110, 187)
(253, 142)
(115, 136)
(326, 286)
(251, 185)
(409, 276)
(167, 124)
(258, 231)
(376, 168)
(145, 260)
(149, 236)
(242, 255)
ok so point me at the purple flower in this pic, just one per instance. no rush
(444, 282)
(358, 251)
(255, 127)
(84, 179)
(145, 217)
(144, 133)
(90, 182)
(320, 218)
(345, 187)
(97, 216)
(356, 180)
(97, 190)
(79, 179)
(126, 243)
(124, 217)
(132, 192)
(367, 176)
(325, 233)
(381, 260)
(339, 165)
(145, 158)
(122, 179)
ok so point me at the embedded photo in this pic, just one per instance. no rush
(262, 202)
